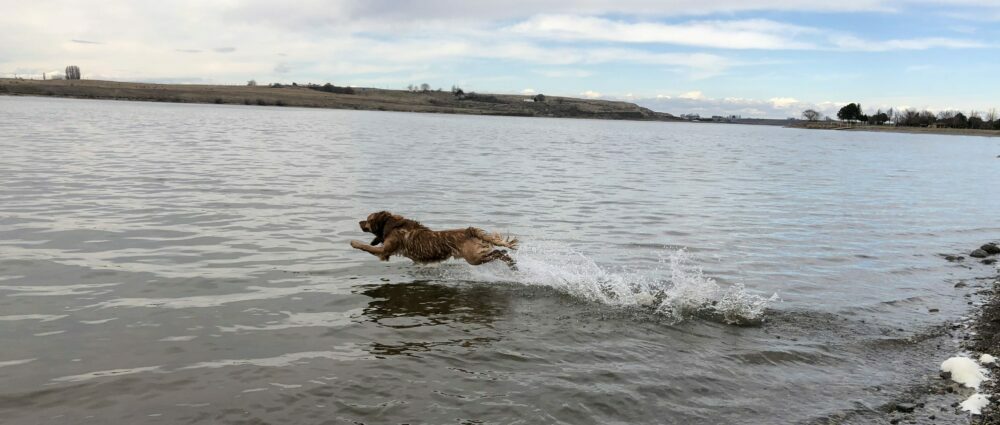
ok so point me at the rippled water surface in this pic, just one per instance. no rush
(165, 263)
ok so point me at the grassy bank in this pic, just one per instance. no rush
(362, 99)
(837, 125)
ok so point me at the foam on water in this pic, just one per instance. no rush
(964, 371)
(674, 287)
(975, 403)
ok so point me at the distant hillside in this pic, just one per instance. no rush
(362, 98)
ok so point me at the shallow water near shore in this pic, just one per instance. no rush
(167, 263)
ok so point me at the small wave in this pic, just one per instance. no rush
(675, 287)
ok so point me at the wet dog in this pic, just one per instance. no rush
(410, 239)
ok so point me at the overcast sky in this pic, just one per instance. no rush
(765, 58)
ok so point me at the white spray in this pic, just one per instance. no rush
(675, 287)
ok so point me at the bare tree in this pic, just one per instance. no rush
(811, 115)
(991, 115)
(252, 83)
(72, 72)
(975, 120)
(909, 117)
(927, 118)
(425, 87)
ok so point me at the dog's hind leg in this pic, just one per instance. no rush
(496, 254)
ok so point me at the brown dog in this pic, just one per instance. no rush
(402, 236)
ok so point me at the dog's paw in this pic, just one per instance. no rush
(357, 244)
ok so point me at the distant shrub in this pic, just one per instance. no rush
(219, 100)
(279, 102)
(330, 88)
(261, 102)
(246, 101)
(539, 97)
(482, 98)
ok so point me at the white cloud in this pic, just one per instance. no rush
(783, 102)
(918, 68)
(698, 103)
(337, 13)
(563, 73)
(528, 91)
(736, 34)
(590, 94)
(691, 95)
(847, 42)
(778, 107)
(733, 34)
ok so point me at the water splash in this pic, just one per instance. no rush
(675, 287)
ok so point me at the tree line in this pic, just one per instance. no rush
(910, 117)
(329, 88)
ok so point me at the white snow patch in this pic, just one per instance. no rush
(987, 359)
(975, 403)
(964, 371)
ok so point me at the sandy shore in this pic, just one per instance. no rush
(361, 99)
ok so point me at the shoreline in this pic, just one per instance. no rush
(985, 339)
(836, 126)
(359, 98)
(974, 335)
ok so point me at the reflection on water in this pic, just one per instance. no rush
(412, 348)
(423, 303)
(189, 264)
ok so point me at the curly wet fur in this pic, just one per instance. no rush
(402, 236)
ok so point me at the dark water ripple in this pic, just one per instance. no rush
(165, 263)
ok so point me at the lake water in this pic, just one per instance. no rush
(171, 263)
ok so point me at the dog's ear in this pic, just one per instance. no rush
(391, 223)
(376, 221)
(381, 224)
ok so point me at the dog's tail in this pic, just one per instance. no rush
(495, 238)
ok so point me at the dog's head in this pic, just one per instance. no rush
(380, 224)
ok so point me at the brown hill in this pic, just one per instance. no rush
(362, 98)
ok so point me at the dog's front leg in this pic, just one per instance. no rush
(379, 251)
(373, 250)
